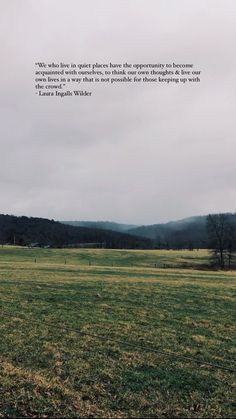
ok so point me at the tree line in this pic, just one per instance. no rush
(32, 231)
(216, 232)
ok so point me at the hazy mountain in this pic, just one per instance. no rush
(28, 230)
(186, 233)
(104, 225)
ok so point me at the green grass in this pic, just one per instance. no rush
(118, 258)
(47, 369)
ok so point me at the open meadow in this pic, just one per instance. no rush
(115, 333)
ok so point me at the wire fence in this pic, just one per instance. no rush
(134, 345)
(69, 308)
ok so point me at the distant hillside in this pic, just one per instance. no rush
(104, 225)
(44, 232)
(187, 233)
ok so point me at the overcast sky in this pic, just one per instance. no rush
(143, 154)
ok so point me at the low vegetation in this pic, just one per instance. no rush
(104, 333)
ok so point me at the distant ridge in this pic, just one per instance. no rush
(104, 225)
(186, 233)
(34, 231)
(189, 232)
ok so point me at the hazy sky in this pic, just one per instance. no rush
(142, 154)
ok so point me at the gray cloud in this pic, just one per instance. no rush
(140, 154)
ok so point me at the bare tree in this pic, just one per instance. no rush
(221, 239)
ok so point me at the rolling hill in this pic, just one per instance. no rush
(104, 225)
(186, 233)
(189, 233)
(44, 232)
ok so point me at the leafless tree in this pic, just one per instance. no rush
(221, 239)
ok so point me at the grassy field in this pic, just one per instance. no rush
(103, 333)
